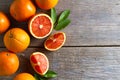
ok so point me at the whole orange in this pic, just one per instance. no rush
(21, 10)
(4, 22)
(46, 4)
(24, 76)
(16, 40)
(9, 63)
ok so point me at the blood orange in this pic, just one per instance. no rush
(55, 41)
(39, 62)
(40, 26)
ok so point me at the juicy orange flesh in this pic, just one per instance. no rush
(41, 26)
(40, 63)
(55, 41)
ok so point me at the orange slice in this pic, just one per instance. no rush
(40, 26)
(55, 41)
(39, 62)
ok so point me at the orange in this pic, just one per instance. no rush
(16, 40)
(46, 4)
(39, 62)
(9, 63)
(24, 76)
(55, 41)
(4, 22)
(21, 10)
(40, 26)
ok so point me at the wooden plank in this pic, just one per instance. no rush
(77, 63)
(93, 22)
(92, 12)
(4, 5)
(85, 36)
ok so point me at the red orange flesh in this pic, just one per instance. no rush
(40, 26)
(39, 62)
(55, 41)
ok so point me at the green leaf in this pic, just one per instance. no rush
(50, 74)
(64, 15)
(42, 79)
(53, 15)
(38, 77)
(61, 25)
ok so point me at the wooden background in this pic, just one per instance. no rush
(92, 49)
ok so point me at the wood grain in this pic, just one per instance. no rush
(92, 48)
(86, 36)
(77, 63)
(93, 22)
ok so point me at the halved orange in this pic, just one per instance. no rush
(40, 26)
(55, 41)
(39, 62)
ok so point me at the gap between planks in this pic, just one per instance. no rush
(77, 46)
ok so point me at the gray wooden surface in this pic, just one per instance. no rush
(92, 49)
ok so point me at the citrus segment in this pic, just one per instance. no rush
(9, 63)
(39, 62)
(16, 40)
(40, 69)
(55, 41)
(40, 26)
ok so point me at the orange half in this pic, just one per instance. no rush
(40, 26)
(39, 62)
(55, 41)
